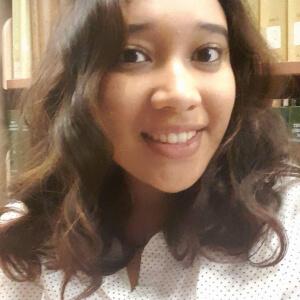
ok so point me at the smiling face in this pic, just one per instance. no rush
(167, 104)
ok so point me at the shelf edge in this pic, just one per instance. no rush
(18, 83)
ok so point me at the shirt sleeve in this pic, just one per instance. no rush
(291, 269)
(12, 290)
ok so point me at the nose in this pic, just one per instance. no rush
(177, 89)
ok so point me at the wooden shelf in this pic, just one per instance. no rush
(18, 84)
(286, 68)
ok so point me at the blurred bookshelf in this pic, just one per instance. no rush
(286, 68)
(25, 29)
(15, 84)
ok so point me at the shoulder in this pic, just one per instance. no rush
(289, 216)
(290, 191)
(289, 212)
(11, 290)
(243, 280)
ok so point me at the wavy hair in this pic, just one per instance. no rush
(76, 198)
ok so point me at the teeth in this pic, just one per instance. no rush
(163, 138)
(190, 135)
(182, 137)
(174, 138)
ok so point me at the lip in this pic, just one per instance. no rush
(175, 151)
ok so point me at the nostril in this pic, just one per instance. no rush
(192, 107)
(175, 99)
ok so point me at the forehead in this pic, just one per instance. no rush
(178, 12)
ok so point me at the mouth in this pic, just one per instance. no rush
(174, 145)
(172, 138)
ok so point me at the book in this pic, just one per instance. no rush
(19, 144)
(16, 35)
(281, 107)
(295, 102)
(7, 68)
(48, 12)
(21, 39)
(273, 26)
(293, 30)
(276, 102)
(12, 160)
(294, 123)
(35, 34)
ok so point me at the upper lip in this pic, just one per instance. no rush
(174, 129)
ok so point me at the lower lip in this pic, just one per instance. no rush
(176, 151)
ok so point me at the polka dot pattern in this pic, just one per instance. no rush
(162, 277)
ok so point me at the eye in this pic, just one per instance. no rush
(133, 56)
(207, 54)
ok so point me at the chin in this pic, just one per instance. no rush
(174, 186)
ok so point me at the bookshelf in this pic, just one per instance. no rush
(288, 72)
(25, 26)
(286, 68)
(15, 84)
(25, 33)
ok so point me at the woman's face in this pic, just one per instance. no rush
(167, 104)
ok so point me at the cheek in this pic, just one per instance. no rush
(220, 108)
(115, 110)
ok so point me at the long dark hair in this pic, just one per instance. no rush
(75, 194)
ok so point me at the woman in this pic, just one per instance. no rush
(153, 162)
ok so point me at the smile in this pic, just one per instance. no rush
(174, 145)
(173, 138)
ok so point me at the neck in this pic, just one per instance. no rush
(149, 211)
(144, 195)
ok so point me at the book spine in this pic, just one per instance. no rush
(7, 168)
(19, 143)
(22, 60)
(294, 120)
(12, 160)
(35, 34)
(48, 11)
(280, 106)
(26, 50)
(273, 25)
(16, 36)
(293, 30)
(7, 69)
(276, 102)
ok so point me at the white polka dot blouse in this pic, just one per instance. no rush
(163, 277)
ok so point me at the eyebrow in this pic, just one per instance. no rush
(210, 27)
